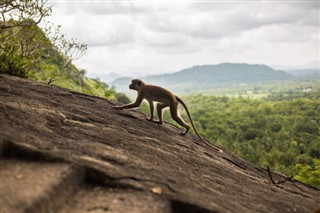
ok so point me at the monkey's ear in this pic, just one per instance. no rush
(139, 82)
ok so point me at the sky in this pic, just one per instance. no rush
(135, 38)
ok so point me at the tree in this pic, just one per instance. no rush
(122, 98)
(68, 50)
(23, 44)
(16, 13)
(20, 43)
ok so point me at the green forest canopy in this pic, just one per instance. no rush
(281, 132)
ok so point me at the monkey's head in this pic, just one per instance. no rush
(136, 84)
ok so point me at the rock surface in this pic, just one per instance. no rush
(62, 151)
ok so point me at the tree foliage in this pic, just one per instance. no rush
(23, 44)
(43, 54)
(281, 133)
(21, 41)
(16, 13)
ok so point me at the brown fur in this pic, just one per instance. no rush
(164, 98)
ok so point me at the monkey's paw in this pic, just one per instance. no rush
(183, 133)
(158, 122)
(149, 119)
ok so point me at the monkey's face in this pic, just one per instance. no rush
(135, 84)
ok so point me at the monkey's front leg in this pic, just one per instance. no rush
(117, 107)
(151, 111)
(127, 106)
(160, 107)
(132, 105)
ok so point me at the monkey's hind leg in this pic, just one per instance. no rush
(178, 119)
(186, 130)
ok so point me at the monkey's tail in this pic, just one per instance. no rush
(189, 116)
(195, 129)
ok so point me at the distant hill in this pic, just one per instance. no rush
(107, 78)
(304, 73)
(205, 77)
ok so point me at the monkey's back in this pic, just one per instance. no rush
(158, 94)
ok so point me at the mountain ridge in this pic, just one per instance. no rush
(206, 77)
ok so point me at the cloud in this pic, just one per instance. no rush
(95, 30)
(160, 39)
(101, 32)
(113, 8)
(162, 36)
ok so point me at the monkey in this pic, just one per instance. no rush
(164, 98)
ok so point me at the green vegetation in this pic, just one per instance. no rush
(43, 54)
(49, 71)
(282, 132)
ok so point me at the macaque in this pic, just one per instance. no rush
(164, 98)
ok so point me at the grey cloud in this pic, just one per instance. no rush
(224, 19)
(112, 8)
(99, 7)
(308, 5)
(192, 32)
(201, 19)
(113, 30)
(161, 39)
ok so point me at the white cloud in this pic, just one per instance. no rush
(152, 37)
(96, 32)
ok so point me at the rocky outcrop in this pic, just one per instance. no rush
(62, 151)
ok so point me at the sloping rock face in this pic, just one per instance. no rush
(63, 151)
